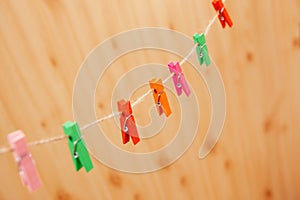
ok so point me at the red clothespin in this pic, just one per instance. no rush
(223, 14)
(160, 97)
(26, 165)
(178, 79)
(127, 122)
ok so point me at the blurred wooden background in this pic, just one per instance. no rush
(43, 43)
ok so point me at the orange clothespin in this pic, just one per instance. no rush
(127, 122)
(223, 14)
(160, 97)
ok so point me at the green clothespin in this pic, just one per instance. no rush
(77, 147)
(202, 50)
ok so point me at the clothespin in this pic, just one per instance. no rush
(127, 122)
(223, 14)
(201, 48)
(178, 79)
(79, 152)
(26, 164)
(160, 97)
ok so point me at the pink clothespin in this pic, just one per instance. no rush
(26, 165)
(179, 79)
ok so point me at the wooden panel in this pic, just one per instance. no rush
(43, 43)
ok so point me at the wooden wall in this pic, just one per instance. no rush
(43, 43)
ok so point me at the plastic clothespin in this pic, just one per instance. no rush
(178, 79)
(223, 14)
(201, 48)
(26, 164)
(127, 122)
(160, 97)
(79, 152)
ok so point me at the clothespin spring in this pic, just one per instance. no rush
(19, 160)
(178, 80)
(201, 49)
(158, 98)
(221, 13)
(125, 128)
(75, 154)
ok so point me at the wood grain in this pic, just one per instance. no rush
(43, 43)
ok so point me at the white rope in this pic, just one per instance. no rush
(4, 150)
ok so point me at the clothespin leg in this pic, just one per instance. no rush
(165, 105)
(206, 57)
(227, 18)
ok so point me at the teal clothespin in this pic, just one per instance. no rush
(202, 50)
(79, 152)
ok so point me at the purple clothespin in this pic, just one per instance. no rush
(26, 166)
(179, 80)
